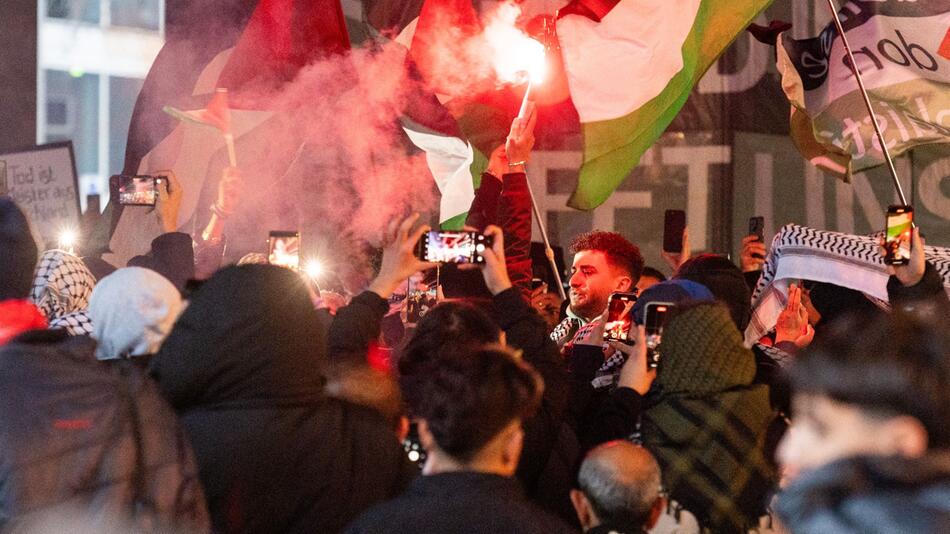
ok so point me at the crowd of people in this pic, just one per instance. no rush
(182, 394)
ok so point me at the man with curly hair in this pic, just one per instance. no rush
(604, 262)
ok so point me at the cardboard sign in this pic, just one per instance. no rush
(42, 180)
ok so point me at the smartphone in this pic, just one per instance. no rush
(757, 227)
(283, 248)
(897, 243)
(453, 247)
(139, 190)
(619, 318)
(673, 226)
(654, 320)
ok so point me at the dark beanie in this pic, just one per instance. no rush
(18, 252)
(172, 256)
(726, 282)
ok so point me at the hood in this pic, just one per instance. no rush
(871, 494)
(250, 337)
(18, 250)
(62, 286)
(702, 353)
(132, 310)
(172, 255)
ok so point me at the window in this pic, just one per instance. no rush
(80, 10)
(72, 105)
(145, 14)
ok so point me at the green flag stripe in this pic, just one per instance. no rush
(612, 148)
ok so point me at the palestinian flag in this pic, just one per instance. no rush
(631, 65)
(903, 52)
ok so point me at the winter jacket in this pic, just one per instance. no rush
(547, 466)
(871, 495)
(460, 503)
(100, 442)
(242, 368)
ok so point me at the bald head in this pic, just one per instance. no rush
(622, 484)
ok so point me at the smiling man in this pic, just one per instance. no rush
(604, 262)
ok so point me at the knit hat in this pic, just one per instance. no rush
(18, 252)
(676, 291)
(133, 310)
(702, 353)
(62, 287)
(724, 280)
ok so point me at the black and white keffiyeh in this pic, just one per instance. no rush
(61, 290)
(850, 261)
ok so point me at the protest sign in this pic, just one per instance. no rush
(42, 181)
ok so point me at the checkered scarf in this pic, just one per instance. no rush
(61, 290)
(849, 261)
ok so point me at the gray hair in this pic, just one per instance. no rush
(622, 483)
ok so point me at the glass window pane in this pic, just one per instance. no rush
(82, 10)
(143, 14)
(122, 95)
(72, 105)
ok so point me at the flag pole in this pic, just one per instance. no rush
(867, 102)
(548, 251)
(232, 156)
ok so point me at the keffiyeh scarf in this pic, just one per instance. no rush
(802, 253)
(61, 290)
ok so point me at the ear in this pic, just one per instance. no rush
(402, 428)
(656, 512)
(623, 283)
(582, 508)
(908, 436)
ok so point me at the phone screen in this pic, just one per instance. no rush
(897, 243)
(654, 320)
(284, 249)
(453, 247)
(673, 226)
(138, 190)
(619, 318)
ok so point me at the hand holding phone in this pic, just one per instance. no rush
(400, 260)
(636, 372)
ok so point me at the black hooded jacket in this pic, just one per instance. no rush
(96, 443)
(243, 370)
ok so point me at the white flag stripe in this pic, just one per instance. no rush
(616, 66)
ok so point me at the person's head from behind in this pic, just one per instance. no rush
(250, 334)
(649, 278)
(470, 411)
(133, 311)
(877, 387)
(18, 252)
(726, 282)
(604, 262)
(450, 326)
(619, 486)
